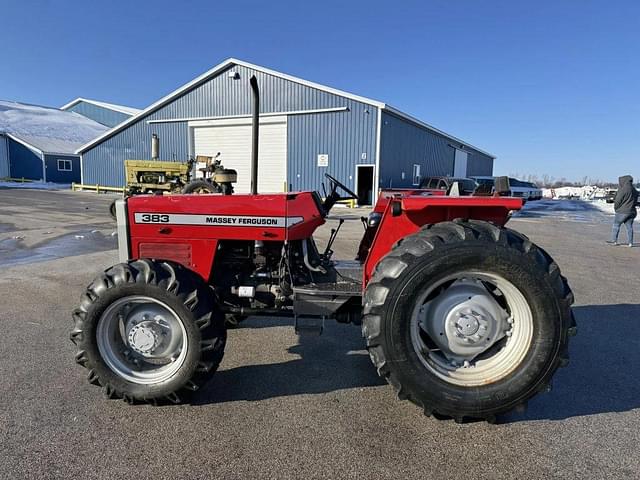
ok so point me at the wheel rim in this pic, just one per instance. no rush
(471, 328)
(142, 339)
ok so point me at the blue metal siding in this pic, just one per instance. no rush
(403, 144)
(219, 96)
(58, 176)
(4, 157)
(102, 115)
(23, 162)
(345, 136)
(104, 164)
(479, 164)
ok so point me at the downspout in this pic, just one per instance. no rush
(44, 167)
(376, 173)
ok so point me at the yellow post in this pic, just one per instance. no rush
(97, 188)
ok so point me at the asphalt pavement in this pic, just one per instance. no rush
(283, 406)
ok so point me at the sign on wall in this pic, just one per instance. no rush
(323, 160)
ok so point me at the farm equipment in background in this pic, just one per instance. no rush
(462, 316)
(154, 176)
(215, 178)
(164, 177)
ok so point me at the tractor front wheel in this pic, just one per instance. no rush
(199, 187)
(148, 330)
(112, 209)
(467, 319)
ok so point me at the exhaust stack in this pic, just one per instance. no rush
(155, 147)
(255, 126)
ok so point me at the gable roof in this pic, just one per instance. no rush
(46, 129)
(233, 61)
(108, 106)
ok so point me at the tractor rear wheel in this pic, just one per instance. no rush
(199, 186)
(148, 330)
(467, 319)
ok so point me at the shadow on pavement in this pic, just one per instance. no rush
(333, 361)
(603, 374)
(601, 378)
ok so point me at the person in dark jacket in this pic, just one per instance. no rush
(624, 204)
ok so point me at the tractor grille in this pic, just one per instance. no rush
(178, 252)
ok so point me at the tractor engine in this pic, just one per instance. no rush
(251, 274)
(261, 274)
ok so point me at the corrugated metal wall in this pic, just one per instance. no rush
(4, 157)
(479, 164)
(102, 115)
(104, 164)
(24, 163)
(348, 138)
(403, 144)
(342, 135)
(62, 176)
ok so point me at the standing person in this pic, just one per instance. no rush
(625, 207)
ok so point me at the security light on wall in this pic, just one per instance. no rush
(234, 75)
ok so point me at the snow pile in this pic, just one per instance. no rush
(587, 192)
(48, 129)
(35, 185)
(603, 206)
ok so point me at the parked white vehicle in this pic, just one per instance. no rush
(518, 188)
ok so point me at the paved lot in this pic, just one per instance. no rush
(289, 407)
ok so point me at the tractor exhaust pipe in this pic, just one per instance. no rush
(155, 147)
(255, 126)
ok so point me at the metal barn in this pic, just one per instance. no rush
(306, 130)
(107, 114)
(38, 143)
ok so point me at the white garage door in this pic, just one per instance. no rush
(232, 138)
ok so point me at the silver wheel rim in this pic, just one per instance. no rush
(472, 328)
(142, 339)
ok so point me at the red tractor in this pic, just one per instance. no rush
(462, 316)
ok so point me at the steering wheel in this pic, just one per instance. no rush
(337, 184)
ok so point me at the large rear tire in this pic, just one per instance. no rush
(467, 319)
(148, 330)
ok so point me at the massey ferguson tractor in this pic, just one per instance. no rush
(464, 317)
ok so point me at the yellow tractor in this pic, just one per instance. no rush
(160, 177)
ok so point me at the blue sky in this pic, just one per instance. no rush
(550, 87)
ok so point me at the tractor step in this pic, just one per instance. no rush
(308, 325)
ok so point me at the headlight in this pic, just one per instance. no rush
(374, 219)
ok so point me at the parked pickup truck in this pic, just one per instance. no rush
(525, 190)
(466, 186)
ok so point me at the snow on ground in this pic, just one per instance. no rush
(584, 211)
(36, 185)
(603, 206)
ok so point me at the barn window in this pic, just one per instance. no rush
(416, 174)
(64, 165)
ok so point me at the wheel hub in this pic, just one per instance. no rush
(467, 324)
(464, 320)
(143, 338)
